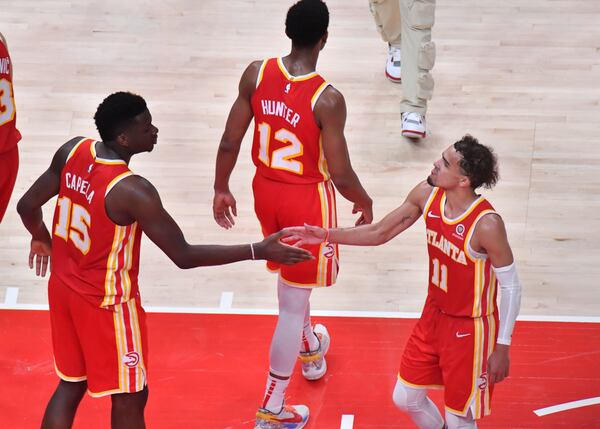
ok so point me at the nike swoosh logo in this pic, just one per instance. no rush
(429, 214)
(459, 335)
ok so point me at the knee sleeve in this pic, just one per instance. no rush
(408, 399)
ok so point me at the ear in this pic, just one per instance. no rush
(122, 139)
(324, 39)
(464, 182)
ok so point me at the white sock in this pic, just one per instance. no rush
(275, 393)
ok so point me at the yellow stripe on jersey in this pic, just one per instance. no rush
(127, 262)
(121, 345)
(111, 267)
(322, 163)
(430, 199)
(261, 72)
(292, 78)
(333, 209)
(317, 94)
(75, 148)
(490, 350)
(116, 180)
(478, 363)
(322, 267)
(462, 217)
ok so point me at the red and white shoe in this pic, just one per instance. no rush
(290, 417)
(393, 66)
(413, 125)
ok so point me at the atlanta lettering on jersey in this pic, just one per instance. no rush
(80, 185)
(446, 246)
(278, 108)
(5, 65)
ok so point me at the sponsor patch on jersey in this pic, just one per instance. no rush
(459, 232)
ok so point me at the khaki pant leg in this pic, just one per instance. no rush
(387, 19)
(418, 54)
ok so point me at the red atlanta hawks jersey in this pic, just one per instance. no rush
(9, 135)
(461, 281)
(287, 140)
(90, 253)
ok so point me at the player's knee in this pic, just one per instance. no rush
(406, 398)
(460, 422)
(130, 403)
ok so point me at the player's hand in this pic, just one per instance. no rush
(298, 236)
(40, 253)
(224, 209)
(366, 213)
(272, 249)
(498, 364)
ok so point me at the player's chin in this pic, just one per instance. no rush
(430, 181)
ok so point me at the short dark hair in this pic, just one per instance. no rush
(117, 111)
(478, 162)
(306, 22)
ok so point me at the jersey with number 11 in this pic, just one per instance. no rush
(287, 139)
(90, 253)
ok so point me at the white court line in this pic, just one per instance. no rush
(326, 313)
(226, 300)
(567, 406)
(347, 421)
(11, 295)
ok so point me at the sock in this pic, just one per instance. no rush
(275, 393)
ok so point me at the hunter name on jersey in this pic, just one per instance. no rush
(446, 246)
(279, 108)
(76, 183)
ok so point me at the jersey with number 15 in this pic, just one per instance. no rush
(90, 253)
(287, 139)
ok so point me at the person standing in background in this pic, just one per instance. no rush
(406, 26)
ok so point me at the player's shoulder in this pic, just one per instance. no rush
(491, 223)
(330, 99)
(421, 193)
(135, 188)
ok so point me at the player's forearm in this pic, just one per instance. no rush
(207, 255)
(364, 235)
(32, 218)
(351, 189)
(226, 159)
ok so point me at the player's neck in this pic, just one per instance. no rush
(458, 200)
(111, 150)
(301, 61)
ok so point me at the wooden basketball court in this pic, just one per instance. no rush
(522, 78)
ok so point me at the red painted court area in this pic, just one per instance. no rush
(208, 372)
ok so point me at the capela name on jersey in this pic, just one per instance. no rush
(80, 185)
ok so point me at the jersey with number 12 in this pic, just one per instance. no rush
(90, 253)
(287, 139)
(9, 135)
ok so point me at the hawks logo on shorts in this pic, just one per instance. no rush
(131, 359)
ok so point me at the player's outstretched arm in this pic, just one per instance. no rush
(330, 113)
(240, 115)
(30, 205)
(134, 199)
(366, 235)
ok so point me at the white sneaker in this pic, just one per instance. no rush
(413, 125)
(314, 365)
(392, 67)
(290, 417)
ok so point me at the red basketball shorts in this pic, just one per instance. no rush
(279, 205)
(451, 353)
(9, 166)
(106, 347)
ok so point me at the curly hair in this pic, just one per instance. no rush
(478, 162)
(306, 22)
(117, 111)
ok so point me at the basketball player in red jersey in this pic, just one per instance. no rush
(9, 135)
(98, 324)
(300, 152)
(462, 339)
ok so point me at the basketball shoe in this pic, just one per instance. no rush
(314, 365)
(413, 125)
(290, 417)
(393, 65)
